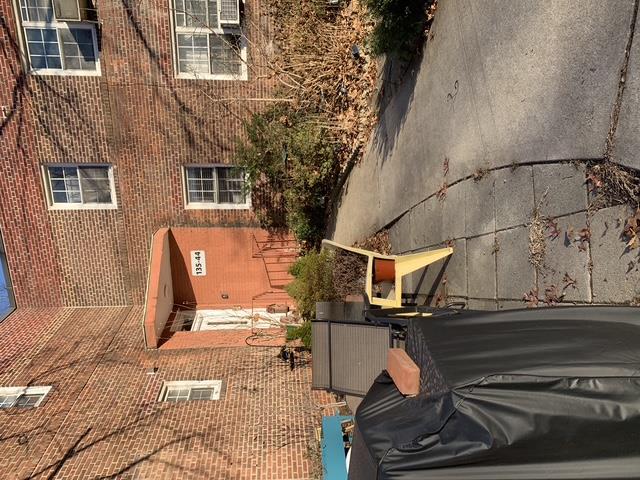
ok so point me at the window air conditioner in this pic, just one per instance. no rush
(229, 12)
(75, 10)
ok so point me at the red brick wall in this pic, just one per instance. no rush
(231, 269)
(23, 218)
(160, 300)
(102, 417)
(135, 116)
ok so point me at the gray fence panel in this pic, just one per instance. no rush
(320, 377)
(358, 355)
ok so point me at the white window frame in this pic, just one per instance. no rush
(205, 30)
(43, 391)
(78, 206)
(190, 384)
(57, 25)
(211, 205)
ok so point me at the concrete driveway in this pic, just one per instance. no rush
(502, 114)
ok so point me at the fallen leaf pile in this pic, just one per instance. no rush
(552, 226)
(378, 243)
(552, 293)
(537, 243)
(631, 232)
(581, 237)
(349, 273)
(321, 66)
(611, 184)
(350, 269)
(531, 297)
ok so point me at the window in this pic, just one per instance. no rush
(216, 187)
(192, 390)
(208, 40)
(7, 301)
(80, 186)
(60, 47)
(22, 397)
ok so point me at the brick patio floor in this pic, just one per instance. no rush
(102, 420)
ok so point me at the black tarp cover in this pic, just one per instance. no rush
(525, 394)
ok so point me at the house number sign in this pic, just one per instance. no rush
(198, 263)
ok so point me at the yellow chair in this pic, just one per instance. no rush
(391, 268)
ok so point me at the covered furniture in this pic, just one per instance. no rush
(544, 393)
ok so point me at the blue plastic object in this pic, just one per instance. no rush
(333, 457)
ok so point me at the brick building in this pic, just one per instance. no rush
(118, 124)
(108, 117)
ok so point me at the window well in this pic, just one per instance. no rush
(22, 397)
(185, 391)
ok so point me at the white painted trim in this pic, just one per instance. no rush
(67, 73)
(217, 206)
(83, 206)
(51, 205)
(210, 205)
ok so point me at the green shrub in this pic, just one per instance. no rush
(312, 282)
(303, 332)
(399, 25)
(288, 152)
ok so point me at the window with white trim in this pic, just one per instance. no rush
(80, 186)
(22, 397)
(208, 40)
(185, 391)
(60, 37)
(215, 187)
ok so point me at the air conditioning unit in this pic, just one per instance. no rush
(75, 10)
(229, 12)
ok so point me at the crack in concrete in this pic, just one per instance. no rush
(472, 176)
(615, 113)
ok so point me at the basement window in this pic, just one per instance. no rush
(60, 37)
(217, 186)
(185, 391)
(22, 397)
(208, 40)
(80, 186)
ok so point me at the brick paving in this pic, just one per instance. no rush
(102, 420)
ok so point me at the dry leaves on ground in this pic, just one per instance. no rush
(631, 232)
(322, 67)
(537, 242)
(610, 184)
(378, 243)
